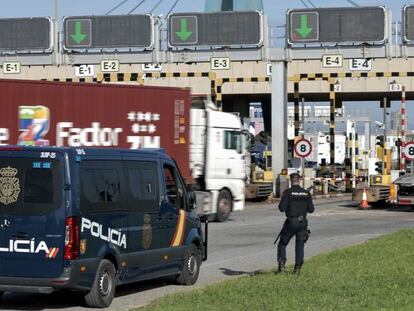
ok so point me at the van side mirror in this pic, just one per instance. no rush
(192, 204)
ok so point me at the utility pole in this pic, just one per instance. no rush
(384, 154)
(56, 33)
(302, 160)
(403, 128)
(353, 156)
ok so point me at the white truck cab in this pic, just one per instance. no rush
(217, 159)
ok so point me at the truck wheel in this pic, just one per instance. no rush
(224, 205)
(191, 267)
(103, 288)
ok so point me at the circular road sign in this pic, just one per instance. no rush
(409, 150)
(303, 148)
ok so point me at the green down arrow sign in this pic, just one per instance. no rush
(183, 34)
(78, 37)
(304, 30)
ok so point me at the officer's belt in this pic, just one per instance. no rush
(299, 218)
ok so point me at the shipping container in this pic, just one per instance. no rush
(40, 113)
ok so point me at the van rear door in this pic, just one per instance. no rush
(32, 212)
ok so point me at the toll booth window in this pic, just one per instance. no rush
(233, 141)
(174, 187)
(101, 189)
(143, 189)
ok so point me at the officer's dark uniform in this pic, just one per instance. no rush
(296, 203)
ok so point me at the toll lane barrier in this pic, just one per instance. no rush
(335, 179)
(356, 74)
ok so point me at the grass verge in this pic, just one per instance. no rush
(375, 275)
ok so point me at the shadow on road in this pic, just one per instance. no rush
(230, 272)
(57, 300)
(70, 299)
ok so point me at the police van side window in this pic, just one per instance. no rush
(101, 187)
(143, 186)
(174, 188)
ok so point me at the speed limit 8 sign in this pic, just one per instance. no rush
(409, 150)
(303, 148)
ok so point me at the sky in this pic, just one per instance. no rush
(275, 10)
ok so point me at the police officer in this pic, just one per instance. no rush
(296, 203)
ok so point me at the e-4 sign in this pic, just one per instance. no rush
(332, 61)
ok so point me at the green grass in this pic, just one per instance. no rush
(376, 275)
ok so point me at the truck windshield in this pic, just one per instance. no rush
(29, 186)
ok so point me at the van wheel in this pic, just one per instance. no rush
(224, 205)
(191, 267)
(103, 288)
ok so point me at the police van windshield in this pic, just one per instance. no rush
(29, 186)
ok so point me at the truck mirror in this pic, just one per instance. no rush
(191, 200)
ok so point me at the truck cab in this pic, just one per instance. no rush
(217, 159)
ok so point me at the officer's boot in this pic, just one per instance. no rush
(296, 269)
(281, 268)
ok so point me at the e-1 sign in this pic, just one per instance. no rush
(11, 67)
(85, 71)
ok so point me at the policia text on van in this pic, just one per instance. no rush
(90, 219)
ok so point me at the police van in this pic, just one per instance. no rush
(92, 219)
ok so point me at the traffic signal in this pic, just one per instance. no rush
(380, 141)
(379, 167)
(380, 146)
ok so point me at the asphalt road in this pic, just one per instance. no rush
(242, 246)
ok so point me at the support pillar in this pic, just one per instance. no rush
(367, 136)
(296, 109)
(279, 120)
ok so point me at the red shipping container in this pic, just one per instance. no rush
(96, 115)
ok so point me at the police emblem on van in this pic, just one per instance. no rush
(147, 232)
(110, 235)
(9, 185)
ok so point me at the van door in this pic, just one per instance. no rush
(173, 217)
(104, 218)
(32, 213)
(143, 201)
